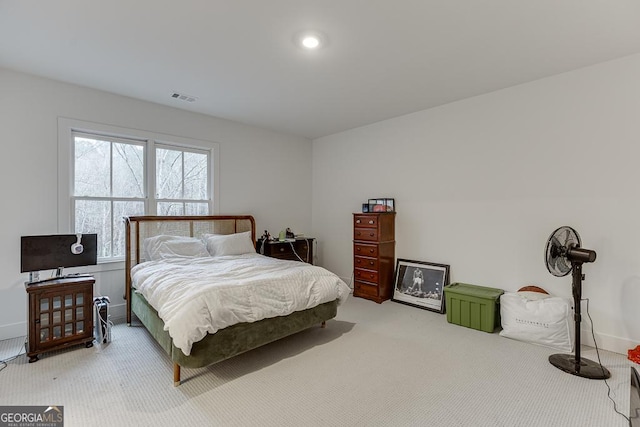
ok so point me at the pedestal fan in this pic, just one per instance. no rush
(562, 255)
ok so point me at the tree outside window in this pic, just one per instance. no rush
(109, 183)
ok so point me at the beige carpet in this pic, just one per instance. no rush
(374, 365)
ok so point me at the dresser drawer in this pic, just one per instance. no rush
(368, 263)
(370, 234)
(365, 221)
(366, 250)
(366, 275)
(365, 289)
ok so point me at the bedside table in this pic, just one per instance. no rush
(288, 250)
(60, 314)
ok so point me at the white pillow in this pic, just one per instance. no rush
(545, 321)
(163, 246)
(229, 244)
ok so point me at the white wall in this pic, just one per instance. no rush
(252, 180)
(480, 185)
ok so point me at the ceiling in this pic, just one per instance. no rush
(384, 58)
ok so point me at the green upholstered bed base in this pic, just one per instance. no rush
(230, 341)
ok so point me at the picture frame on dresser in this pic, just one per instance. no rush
(421, 284)
(381, 205)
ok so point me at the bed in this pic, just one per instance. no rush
(219, 341)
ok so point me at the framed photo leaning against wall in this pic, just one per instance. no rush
(421, 284)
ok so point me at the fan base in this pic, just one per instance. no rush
(585, 369)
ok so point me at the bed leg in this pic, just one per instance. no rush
(176, 375)
(323, 324)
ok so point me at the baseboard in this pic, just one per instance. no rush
(13, 330)
(118, 315)
(608, 342)
(118, 312)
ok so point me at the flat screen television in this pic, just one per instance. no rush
(57, 251)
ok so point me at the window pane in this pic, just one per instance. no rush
(120, 210)
(168, 174)
(195, 176)
(92, 177)
(128, 170)
(94, 216)
(170, 208)
(196, 209)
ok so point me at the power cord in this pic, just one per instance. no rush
(296, 253)
(4, 364)
(593, 335)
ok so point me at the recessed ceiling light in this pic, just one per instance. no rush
(310, 40)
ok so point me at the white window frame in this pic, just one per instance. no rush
(152, 174)
(67, 127)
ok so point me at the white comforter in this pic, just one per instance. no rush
(196, 296)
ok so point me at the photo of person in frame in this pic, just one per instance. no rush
(421, 284)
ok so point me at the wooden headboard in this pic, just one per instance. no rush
(138, 228)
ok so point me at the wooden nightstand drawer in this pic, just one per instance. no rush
(365, 221)
(365, 289)
(366, 275)
(368, 263)
(365, 250)
(300, 250)
(370, 234)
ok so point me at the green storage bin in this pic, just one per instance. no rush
(475, 307)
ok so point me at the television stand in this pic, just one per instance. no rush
(60, 314)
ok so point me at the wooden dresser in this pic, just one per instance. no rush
(374, 255)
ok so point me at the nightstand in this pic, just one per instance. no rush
(60, 314)
(303, 247)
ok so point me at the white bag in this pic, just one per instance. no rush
(538, 319)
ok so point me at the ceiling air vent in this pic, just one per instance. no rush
(183, 97)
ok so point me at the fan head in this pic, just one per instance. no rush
(560, 242)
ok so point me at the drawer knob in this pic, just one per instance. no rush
(358, 249)
(371, 250)
(357, 261)
(371, 275)
(371, 234)
(281, 249)
(371, 221)
(370, 262)
(357, 221)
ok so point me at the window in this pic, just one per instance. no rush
(181, 181)
(108, 184)
(113, 173)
